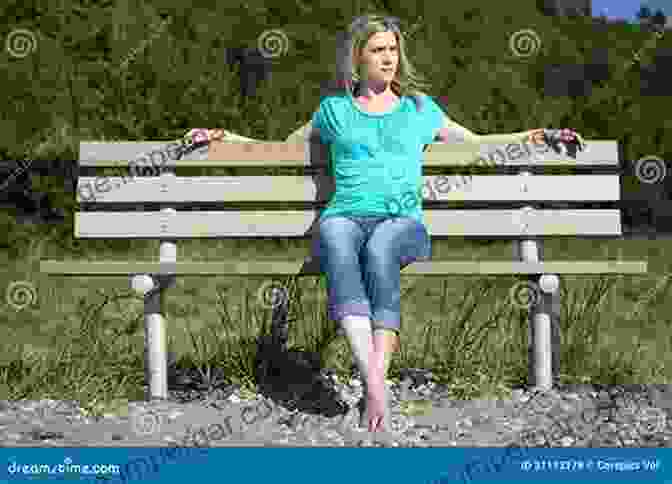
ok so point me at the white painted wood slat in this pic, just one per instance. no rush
(285, 223)
(309, 267)
(170, 188)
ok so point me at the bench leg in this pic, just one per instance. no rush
(543, 328)
(156, 367)
(153, 289)
(544, 336)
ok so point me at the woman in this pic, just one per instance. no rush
(376, 128)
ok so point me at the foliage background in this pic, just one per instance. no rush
(110, 70)
(178, 80)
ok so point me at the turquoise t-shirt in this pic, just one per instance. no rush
(377, 157)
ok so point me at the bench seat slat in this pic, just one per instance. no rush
(320, 188)
(285, 223)
(599, 153)
(309, 267)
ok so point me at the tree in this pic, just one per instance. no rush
(644, 13)
(659, 18)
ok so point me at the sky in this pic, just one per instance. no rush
(626, 9)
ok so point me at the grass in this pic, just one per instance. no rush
(89, 346)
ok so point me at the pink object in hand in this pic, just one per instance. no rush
(199, 135)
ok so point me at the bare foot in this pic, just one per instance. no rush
(376, 395)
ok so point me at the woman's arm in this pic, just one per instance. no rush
(229, 136)
(454, 133)
(305, 133)
(451, 132)
(203, 134)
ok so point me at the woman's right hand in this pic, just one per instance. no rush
(200, 135)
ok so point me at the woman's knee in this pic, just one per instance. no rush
(400, 242)
(338, 232)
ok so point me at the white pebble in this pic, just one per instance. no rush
(567, 441)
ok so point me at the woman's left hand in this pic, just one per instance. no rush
(201, 135)
(572, 140)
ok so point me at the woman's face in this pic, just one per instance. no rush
(379, 58)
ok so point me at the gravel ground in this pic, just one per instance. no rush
(422, 416)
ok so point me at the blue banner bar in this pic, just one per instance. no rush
(335, 465)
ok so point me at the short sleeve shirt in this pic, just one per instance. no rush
(377, 157)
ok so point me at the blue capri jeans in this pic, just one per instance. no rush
(362, 257)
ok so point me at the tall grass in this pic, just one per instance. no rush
(101, 360)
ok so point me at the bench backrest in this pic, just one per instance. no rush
(502, 202)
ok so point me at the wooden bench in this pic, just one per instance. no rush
(504, 205)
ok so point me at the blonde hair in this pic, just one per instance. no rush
(407, 81)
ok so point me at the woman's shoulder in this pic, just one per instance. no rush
(423, 102)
